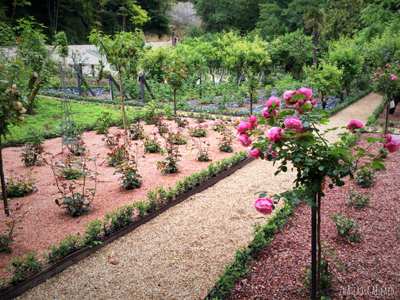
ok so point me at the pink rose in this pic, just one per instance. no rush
(271, 100)
(287, 96)
(253, 119)
(379, 68)
(264, 205)
(243, 127)
(314, 102)
(376, 73)
(305, 91)
(244, 139)
(393, 77)
(275, 134)
(293, 123)
(392, 146)
(12, 169)
(266, 114)
(255, 153)
(388, 137)
(354, 124)
(387, 65)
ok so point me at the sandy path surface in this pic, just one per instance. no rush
(179, 254)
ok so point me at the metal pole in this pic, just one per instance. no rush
(111, 87)
(387, 112)
(3, 184)
(79, 82)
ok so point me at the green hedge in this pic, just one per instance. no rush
(375, 114)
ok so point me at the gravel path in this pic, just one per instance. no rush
(179, 254)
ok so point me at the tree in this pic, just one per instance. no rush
(325, 80)
(16, 3)
(346, 55)
(92, 10)
(32, 49)
(293, 15)
(152, 61)
(176, 75)
(10, 109)
(118, 50)
(157, 12)
(269, 22)
(53, 7)
(314, 19)
(138, 16)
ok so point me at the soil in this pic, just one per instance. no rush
(46, 217)
(373, 264)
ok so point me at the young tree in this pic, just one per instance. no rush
(32, 49)
(176, 75)
(325, 80)
(119, 51)
(10, 109)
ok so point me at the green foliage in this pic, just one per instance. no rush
(17, 216)
(103, 122)
(19, 185)
(203, 148)
(358, 200)
(118, 219)
(382, 152)
(170, 164)
(365, 177)
(152, 61)
(118, 149)
(198, 131)
(325, 79)
(93, 233)
(142, 207)
(130, 178)
(22, 269)
(64, 248)
(329, 262)
(151, 144)
(226, 138)
(137, 131)
(347, 228)
(177, 138)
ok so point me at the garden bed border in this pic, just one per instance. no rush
(75, 257)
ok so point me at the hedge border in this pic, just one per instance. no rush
(241, 159)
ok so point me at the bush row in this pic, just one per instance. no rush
(114, 221)
(377, 111)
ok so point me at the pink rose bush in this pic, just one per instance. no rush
(293, 123)
(264, 205)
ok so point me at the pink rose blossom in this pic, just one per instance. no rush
(376, 73)
(273, 154)
(378, 68)
(393, 77)
(293, 123)
(392, 146)
(314, 102)
(287, 96)
(244, 139)
(266, 114)
(255, 153)
(275, 134)
(305, 91)
(388, 137)
(253, 119)
(12, 169)
(271, 100)
(354, 124)
(264, 205)
(243, 127)
(387, 65)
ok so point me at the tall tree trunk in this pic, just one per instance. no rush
(12, 16)
(251, 103)
(3, 183)
(122, 101)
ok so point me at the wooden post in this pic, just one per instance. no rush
(314, 251)
(79, 82)
(251, 103)
(111, 87)
(175, 104)
(220, 77)
(387, 112)
(122, 101)
(142, 88)
(3, 183)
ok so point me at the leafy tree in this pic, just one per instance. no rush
(16, 3)
(32, 49)
(138, 16)
(92, 10)
(379, 16)
(119, 50)
(346, 55)
(269, 23)
(314, 19)
(292, 50)
(176, 75)
(293, 15)
(325, 80)
(156, 11)
(152, 61)
(10, 109)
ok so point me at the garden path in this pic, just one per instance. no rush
(179, 254)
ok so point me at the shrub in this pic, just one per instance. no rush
(347, 228)
(93, 233)
(203, 148)
(69, 168)
(118, 219)
(19, 185)
(170, 164)
(142, 208)
(151, 143)
(182, 122)
(365, 177)
(25, 268)
(17, 216)
(227, 136)
(198, 131)
(103, 122)
(358, 200)
(33, 148)
(118, 149)
(130, 178)
(64, 248)
(177, 138)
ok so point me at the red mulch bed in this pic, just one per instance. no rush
(374, 263)
(395, 117)
(46, 223)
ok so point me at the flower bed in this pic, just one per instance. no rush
(45, 216)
